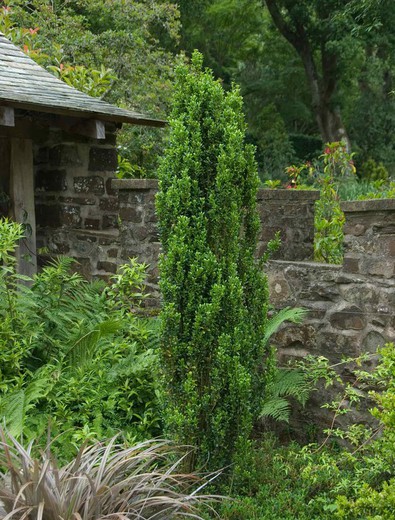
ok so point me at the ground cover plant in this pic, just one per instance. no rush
(348, 479)
(74, 357)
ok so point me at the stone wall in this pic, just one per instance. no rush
(351, 307)
(289, 212)
(82, 211)
(76, 208)
(139, 236)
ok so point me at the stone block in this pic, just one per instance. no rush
(82, 201)
(51, 180)
(70, 215)
(110, 221)
(377, 266)
(110, 190)
(103, 159)
(106, 241)
(351, 264)
(135, 184)
(110, 204)
(92, 223)
(130, 215)
(109, 267)
(87, 238)
(65, 155)
(57, 216)
(372, 341)
(91, 184)
(348, 318)
(140, 233)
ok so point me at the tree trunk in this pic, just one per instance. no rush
(322, 87)
(329, 121)
(331, 126)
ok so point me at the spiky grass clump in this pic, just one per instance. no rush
(103, 481)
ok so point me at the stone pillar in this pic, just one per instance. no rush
(138, 228)
(369, 237)
(291, 212)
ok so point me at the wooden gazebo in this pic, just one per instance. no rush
(32, 101)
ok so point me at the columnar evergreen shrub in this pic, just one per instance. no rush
(214, 293)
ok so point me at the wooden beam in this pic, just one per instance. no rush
(90, 128)
(22, 197)
(7, 116)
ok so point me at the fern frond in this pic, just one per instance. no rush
(290, 383)
(296, 315)
(277, 408)
(285, 383)
(83, 349)
(15, 406)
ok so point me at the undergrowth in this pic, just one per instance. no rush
(74, 355)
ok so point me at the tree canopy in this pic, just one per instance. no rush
(309, 71)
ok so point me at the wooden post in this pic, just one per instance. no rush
(22, 197)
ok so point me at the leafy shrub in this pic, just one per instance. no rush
(326, 481)
(370, 170)
(214, 294)
(105, 480)
(334, 168)
(73, 354)
(375, 499)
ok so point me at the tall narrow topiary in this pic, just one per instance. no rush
(214, 294)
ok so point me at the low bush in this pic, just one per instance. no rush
(73, 354)
(349, 476)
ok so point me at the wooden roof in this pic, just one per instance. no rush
(26, 85)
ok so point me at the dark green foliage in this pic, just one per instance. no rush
(72, 354)
(214, 295)
(306, 147)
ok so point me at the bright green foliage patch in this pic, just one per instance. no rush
(214, 294)
(72, 354)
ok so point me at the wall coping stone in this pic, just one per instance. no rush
(289, 195)
(354, 206)
(263, 193)
(134, 184)
(315, 265)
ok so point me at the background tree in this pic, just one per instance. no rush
(335, 83)
(214, 294)
(127, 42)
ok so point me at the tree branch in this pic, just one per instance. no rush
(281, 24)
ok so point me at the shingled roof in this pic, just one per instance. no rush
(26, 85)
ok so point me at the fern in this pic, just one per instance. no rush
(296, 315)
(83, 350)
(15, 406)
(285, 383)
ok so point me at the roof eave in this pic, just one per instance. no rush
(133, 119)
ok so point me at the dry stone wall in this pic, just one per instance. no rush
(289, 212)
(83, 212)
(351, 307)
(76, 208)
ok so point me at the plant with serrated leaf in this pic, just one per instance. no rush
(74, 354)
(283, 383)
